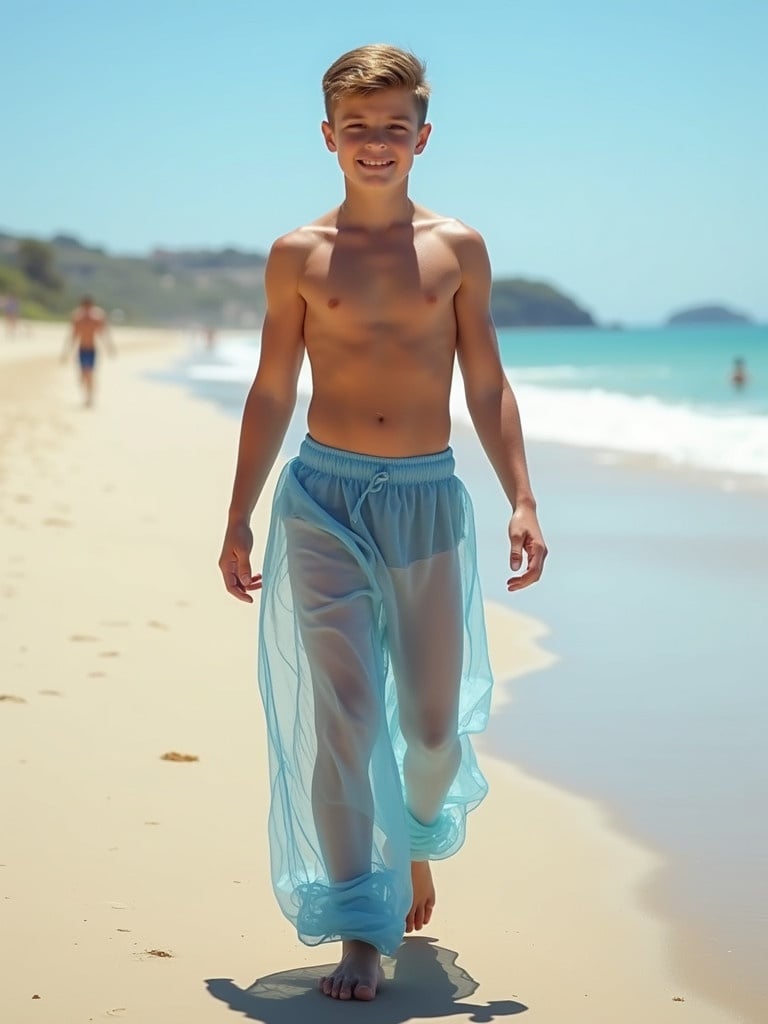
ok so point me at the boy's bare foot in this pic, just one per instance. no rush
(423, 896)
(358, 974)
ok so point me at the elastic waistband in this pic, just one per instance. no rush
(412, 469)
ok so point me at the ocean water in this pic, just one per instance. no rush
(663, 392)
(651, 473)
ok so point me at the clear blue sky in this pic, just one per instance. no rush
(616, 148)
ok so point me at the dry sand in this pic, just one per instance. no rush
(137, 887)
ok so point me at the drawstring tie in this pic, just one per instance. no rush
(375, 484)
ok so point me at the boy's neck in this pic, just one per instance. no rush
(377, 210)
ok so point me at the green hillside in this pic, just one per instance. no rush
(222, 288)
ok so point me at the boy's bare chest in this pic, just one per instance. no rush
(369, 282)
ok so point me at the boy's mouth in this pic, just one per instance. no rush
(376, 163)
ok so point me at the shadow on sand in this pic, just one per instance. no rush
(421, 980)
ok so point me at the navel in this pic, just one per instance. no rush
(380, 418)
(333, 303)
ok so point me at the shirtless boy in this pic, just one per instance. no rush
(373, 662)
(89, 326)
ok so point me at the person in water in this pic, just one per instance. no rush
(739, 376)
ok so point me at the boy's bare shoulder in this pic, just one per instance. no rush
(460, 236)
(302, 240)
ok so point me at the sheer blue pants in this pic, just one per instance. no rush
(373, 669)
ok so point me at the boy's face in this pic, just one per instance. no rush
(376, 136)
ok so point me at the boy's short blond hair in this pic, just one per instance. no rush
(373, 67)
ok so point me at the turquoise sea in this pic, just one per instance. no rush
(651, 473)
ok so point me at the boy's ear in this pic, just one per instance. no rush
(328, 136)
(421, 138)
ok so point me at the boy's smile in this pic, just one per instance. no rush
(376, 136)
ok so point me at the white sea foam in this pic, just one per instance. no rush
(586, 417)
(609, 420)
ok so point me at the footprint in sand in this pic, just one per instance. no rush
(154, 624)
(51, 693)
(109, 654)
(56, 521)
(84, 638)
(174, 755)
(11, 698)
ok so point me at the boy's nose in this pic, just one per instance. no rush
(376, 141)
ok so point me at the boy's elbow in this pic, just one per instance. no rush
(277, 402)
(485, 395)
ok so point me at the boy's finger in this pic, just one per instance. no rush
(521, 582)
(244, 571)
(536, 555)
(234, 588)
(516, 554)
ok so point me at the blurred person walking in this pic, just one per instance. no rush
(89, 328)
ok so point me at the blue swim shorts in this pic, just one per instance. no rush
(87, 357)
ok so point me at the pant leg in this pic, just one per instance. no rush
(337, 826)
(334, 607)
(426, 630)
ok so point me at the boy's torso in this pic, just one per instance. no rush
(380, 333)
(86, 324)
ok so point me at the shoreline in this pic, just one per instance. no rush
(114, 516)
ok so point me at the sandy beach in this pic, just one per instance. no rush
(133, 860)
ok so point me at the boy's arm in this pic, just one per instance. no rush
(268, 408)
(493, 407)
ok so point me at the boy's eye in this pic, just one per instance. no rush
(398, 128)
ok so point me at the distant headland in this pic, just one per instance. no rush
(516, 302)
(707, 315)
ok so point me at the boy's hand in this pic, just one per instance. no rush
(525, 536)
(235, 562)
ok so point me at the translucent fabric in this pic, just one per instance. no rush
(373, 669)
